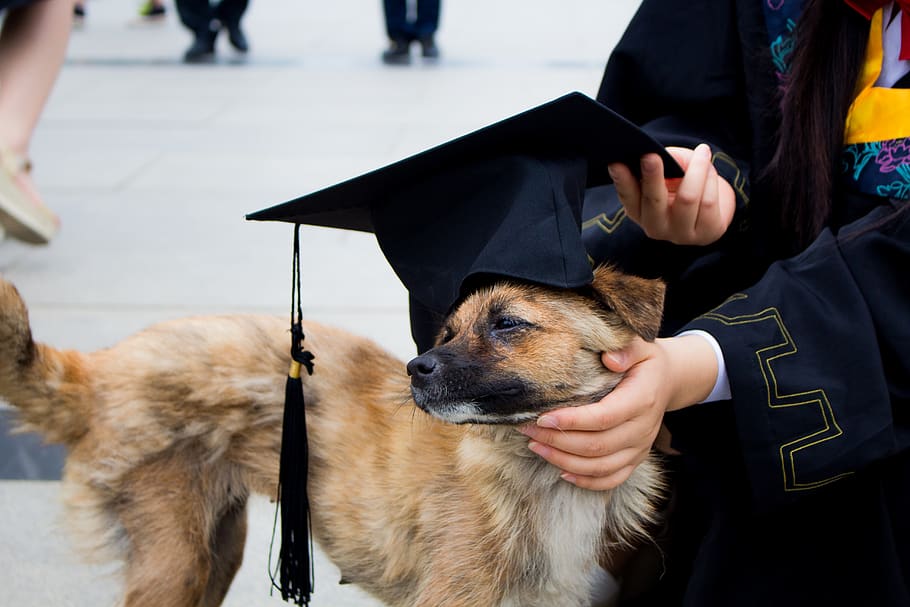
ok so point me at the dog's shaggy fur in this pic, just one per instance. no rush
(170, 431)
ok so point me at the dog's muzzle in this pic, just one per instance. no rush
(452, 391)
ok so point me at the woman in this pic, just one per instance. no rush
(785, 388)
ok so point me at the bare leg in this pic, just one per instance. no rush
(33, 46)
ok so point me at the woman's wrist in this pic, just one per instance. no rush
(721, 389)
(692, 367)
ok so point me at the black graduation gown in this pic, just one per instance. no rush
(818, 355)
(797, 492)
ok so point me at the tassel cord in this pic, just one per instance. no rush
(295, 560)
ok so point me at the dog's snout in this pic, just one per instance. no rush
(423, 365)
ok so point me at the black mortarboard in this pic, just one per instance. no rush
(498, 201)
(502, 201)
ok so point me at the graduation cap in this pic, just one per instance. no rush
(501, 202)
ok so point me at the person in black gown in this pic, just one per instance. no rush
(781, 385)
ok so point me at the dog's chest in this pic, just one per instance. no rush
(551, 531)
(572, 526)
(569, 527)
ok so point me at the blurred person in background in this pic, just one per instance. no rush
(410, 22)
(206, 20)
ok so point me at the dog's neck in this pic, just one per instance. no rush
(499, 456)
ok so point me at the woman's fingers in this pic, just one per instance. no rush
(690, 196)
(654, 196)
(589, 466)
(708, 225)
(628, 189)
(588, 444)
(694, 210)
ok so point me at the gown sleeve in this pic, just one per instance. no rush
(678, 72)
(818, 356)
(651, 80)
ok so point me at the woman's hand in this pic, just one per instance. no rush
(694, 210)
(598, 446)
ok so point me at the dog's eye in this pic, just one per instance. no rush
(505, 323)
(447, 335)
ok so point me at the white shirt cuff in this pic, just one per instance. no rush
(721, 389)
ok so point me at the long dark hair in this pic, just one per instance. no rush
(827, 57)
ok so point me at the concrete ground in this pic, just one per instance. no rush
(152, 165)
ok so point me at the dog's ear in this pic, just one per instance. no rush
(637, 301)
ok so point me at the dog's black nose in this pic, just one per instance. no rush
(423, 365)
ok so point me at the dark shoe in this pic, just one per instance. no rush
(398, 53)
(428, 48)
(78, 15)
(238, 39)
(202, 50)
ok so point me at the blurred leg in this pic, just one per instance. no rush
(396, 15)
(198, 17)
(33, 45)
(229, 13)
(399, 32)
(32, 49)
(425, 27)
(427, 18)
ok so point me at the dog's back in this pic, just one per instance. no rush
(169, 431)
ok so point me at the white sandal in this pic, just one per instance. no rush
(19, 215)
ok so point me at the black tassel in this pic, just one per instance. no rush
(295, 560)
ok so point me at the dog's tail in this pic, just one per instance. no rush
(48, 387)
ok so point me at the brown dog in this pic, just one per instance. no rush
(170, 431)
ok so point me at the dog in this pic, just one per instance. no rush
(422, 491)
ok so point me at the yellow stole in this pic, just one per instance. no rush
(877, 114)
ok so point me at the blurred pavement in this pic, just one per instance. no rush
(152, 165)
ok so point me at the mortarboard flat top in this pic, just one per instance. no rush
(572, 124)
(502, 201)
